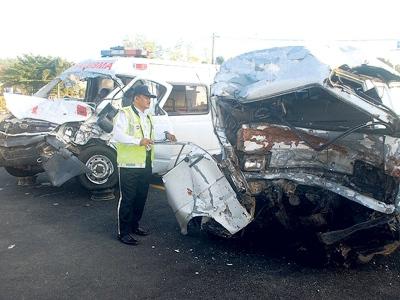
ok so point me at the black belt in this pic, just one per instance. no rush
(148, 158)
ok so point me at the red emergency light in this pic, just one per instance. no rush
(140, 66)
(121, 51)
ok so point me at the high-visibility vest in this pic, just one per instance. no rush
(129, 155)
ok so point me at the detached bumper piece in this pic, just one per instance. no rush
(62, 165)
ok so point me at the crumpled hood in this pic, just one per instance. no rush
(268, 72)
(57, 111)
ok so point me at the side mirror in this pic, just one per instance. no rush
(105, 124)
(106, 117)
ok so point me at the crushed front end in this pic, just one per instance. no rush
(339, 195)
(38, 141)
(311, 148)
(31, 146)
(58, 136)
(18, 144)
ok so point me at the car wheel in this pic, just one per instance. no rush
(20, 172)
(102, 161)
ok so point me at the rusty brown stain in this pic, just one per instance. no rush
(189, 192)
(393, 166)
(275, 134)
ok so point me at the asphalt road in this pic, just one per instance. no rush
(55, 243)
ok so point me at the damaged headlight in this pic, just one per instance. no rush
(81, 137)
(69, 131)
(254, 162)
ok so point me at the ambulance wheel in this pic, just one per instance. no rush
(102, 162)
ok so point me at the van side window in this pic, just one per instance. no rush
(154, 88)
(187, 100)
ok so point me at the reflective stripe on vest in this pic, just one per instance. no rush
(134, 156)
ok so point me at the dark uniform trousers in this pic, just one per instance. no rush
(134, 186)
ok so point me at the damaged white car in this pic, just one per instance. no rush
(65, 128)
(311, 147)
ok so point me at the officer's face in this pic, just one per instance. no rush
(142, 102)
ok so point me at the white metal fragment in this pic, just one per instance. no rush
(196, 187)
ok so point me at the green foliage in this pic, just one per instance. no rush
(219, 60)
(6, 62)
(29, 72)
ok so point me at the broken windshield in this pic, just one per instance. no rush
(91, 88)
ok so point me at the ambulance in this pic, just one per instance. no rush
(65, 128)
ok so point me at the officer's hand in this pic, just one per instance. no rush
(170, 137)
(146, 142)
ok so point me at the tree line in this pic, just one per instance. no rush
(28, 73)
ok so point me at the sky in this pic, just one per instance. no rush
(78, 29)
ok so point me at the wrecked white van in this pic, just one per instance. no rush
(69, 135)
(311, 147)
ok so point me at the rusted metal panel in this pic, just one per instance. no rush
(288, 149)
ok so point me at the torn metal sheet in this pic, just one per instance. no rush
(60, 168)
(277, 71)
(272, 71)
(197, 188)
(61, 164)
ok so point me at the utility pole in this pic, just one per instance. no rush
(214, 36)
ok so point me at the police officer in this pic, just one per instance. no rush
(133, 136)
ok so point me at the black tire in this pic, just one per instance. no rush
(103, 160)
(20, 172)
